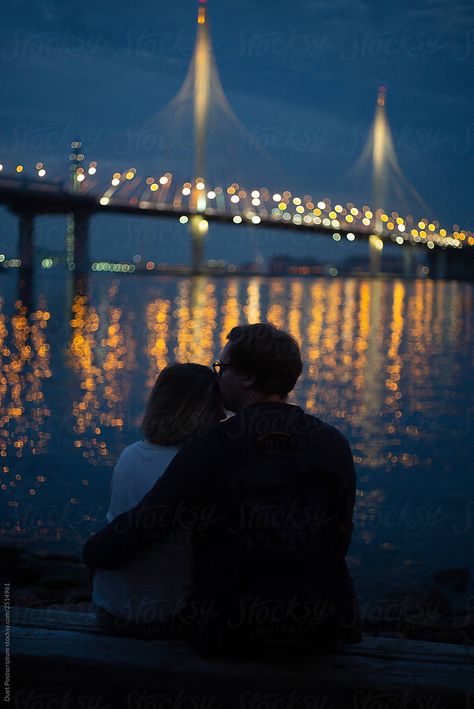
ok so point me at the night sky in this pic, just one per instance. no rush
(301, 76)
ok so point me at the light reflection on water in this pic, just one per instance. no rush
(388, 362)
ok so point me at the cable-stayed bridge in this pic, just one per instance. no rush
(203, 198)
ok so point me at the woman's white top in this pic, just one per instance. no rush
(152, 587)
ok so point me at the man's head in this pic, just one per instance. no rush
(260, 363)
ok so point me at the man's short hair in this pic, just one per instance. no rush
(270, 355)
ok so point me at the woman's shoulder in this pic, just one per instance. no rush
(143, 452)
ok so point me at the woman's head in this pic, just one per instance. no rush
(184, 400)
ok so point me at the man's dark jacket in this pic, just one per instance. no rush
(267, 497)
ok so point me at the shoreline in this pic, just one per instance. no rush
(439, 610)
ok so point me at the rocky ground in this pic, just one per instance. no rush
(440, 610)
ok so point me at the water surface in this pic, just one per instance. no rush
(388, 362)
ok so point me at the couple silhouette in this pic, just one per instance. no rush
(230, 531)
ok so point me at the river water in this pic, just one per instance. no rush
(387, 362)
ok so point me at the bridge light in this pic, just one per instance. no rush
(376, 242)
(19, 168)
(183, 219)
(350, 236)
(430, 245)
(336, 236)
(237, 219)
(399, 239)
(104, 201)
(256, 219)
(277, 197)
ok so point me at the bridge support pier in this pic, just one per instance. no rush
(198, 228)
(80, 236)
(408, 260)
(375, 254)
(439, 263)
(25, 240)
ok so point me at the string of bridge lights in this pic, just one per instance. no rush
(271, 206)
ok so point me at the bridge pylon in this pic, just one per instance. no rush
(381, 143)
(202, 61)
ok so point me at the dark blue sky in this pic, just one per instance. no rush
(302, 76)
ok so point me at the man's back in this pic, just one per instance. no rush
(268, 497)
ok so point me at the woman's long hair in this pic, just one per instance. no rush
(184, 400)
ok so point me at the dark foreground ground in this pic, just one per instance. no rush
(439, 610)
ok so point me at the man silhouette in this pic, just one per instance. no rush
(267, 497)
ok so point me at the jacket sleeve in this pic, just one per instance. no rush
(173, 504)
(346, 493)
